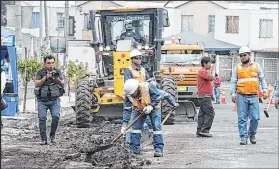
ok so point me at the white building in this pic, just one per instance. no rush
(255, 28)
(56, 17)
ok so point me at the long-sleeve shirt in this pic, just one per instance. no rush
(217, 81)
(204, 82)
(155, 96)
(234, 79)
(276, 93)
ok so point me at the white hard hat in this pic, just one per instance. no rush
(135, 53)
(130, 86)
(244, 49)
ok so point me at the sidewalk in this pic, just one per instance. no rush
(29, 119)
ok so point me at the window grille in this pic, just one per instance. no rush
(187, 22)
(232, 24)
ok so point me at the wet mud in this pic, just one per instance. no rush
(73, 148)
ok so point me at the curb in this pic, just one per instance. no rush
(30, 120)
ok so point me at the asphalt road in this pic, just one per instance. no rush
(184, 150)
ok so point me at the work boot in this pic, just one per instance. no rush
(198, 134)
(43, 142)
(253, 139)
(243, 141)
(205, 134)
(52, 139)
(158, 154)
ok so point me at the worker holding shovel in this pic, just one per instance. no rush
(144, 98)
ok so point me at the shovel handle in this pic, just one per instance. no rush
(129, 126)
(168, 115)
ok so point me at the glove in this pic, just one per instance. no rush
(123, 128)
(176, 105)
(148, 109)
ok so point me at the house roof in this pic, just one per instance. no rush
(57, 4)
(176, 4)
(120, 3)
(209, 43)
(272, 50)
(223, 4)
(135, 3)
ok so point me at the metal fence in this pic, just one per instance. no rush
(270, 67)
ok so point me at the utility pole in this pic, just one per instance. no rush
(66, 31)
(18, 29)
(46, 23)
(41, 23)
(66, 34)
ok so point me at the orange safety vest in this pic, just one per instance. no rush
(247, 79)
(145, 97)
(138, 75)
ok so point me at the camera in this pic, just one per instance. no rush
(55, 74)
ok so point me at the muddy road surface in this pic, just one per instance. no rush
(20, 147)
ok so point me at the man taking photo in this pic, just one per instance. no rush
(49, 87)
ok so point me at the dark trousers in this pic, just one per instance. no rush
(206, 115)
(54, 107)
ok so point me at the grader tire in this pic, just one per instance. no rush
(83, 104)
(168, 85)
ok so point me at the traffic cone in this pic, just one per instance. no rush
(223, 98)
(234, 107)
(172, 40)
(270, 100)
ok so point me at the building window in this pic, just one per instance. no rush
(266, 28)
(211, 23)
(60, 20)
(232, 24)
(187, 22)
(86, 21)
(35, 19)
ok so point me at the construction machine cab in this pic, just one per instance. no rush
(115, 33)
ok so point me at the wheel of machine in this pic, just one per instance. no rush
(83, 100)
(196, 102)
(168, 85)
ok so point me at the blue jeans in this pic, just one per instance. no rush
(136, 131)
(217, 94)
(247, 106)
(54, 107)
(147, 127)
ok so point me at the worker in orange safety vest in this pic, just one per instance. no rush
(245, 81)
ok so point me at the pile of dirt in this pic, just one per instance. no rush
(73, 148)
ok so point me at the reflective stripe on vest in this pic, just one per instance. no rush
(138, 75)
(248, 79)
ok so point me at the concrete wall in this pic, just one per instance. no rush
(260, 43)
(248, 28)
(52, 21)
(81, 51)
(241, 38)
(81, 33)
(175, 23)
(201, 11)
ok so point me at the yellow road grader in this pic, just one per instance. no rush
(115, 32)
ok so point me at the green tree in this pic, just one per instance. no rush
(28, 70)
(75, 71)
